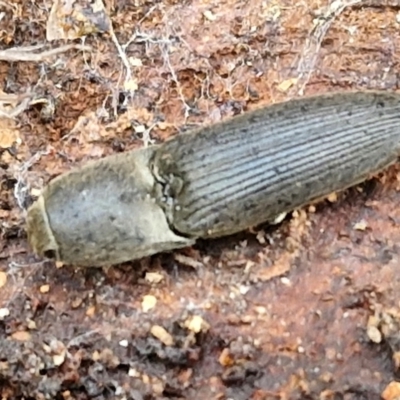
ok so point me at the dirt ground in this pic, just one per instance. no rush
(309, 309)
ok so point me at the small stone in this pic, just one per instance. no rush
(133, 373)
(225, 358)
(3, 365)
(261, 237)
(44, 289)
(66, 395)
(21, 336)
(396, 359)
(131, 85)
(243, 289)
(261, 310)
(286, 281)
(374, 334)
(196, 324)
(162, 335)
(58, 351)
(158, 387)
(135, 62)
(8, 132)
(3, 279)
(4, 312)
(209, 15)
(31, 324)
(154, 277)
(148, 303)
(140, 129)
(332, 197)
(326, 377)
(373, 320)
(361, 225)
(287, 84)
(392, 391)
(76, 302)
(108, 358)
(58, 359)
(184, 376)
(46, 348)
(90, 311)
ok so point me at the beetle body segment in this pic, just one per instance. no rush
(102, 213)
(253, 167)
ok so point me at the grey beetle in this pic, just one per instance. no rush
(215, 181)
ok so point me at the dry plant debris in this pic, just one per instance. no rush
(306, 309)
(70, 19)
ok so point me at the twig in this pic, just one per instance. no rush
(76, 341)
(133, 37)
(14, 270)
(17, 110)
(10, 98)
(146, 138)
(177, 83)
(21, 187)
(25, 53)
(313, 43)
(9, 6)
(123, 56)
(140, 37)
(188, 261)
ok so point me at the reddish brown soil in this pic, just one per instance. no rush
(306, 310)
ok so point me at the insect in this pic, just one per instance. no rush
(215, 181)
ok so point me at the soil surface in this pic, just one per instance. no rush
(308, 309)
